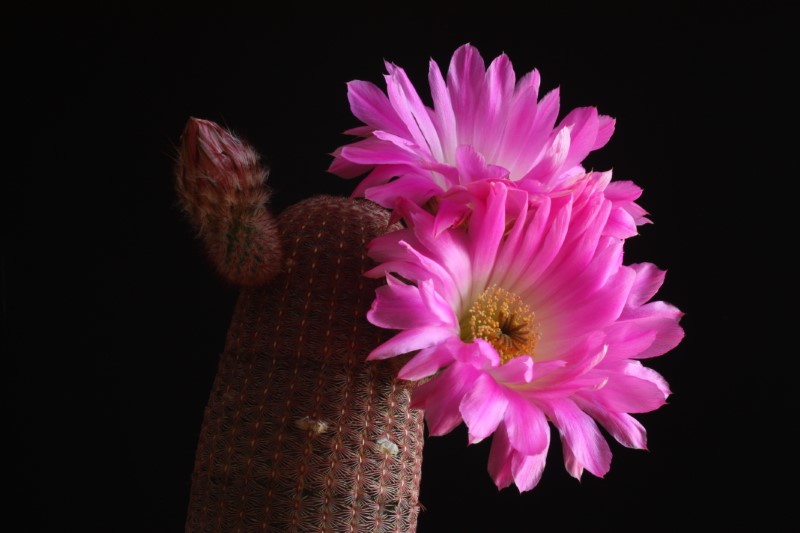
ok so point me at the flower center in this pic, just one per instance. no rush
(504, 320)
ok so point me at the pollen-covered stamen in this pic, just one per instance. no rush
(504, 320)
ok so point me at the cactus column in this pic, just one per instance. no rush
(300, 433)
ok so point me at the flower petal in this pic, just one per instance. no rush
(410, 340)
(500, 457)
(425, 363)
(491, 113)
(371, 106)
(464, 82)
(648, 280)
(483, 407)
(584, 445)
(628, 394)
(623, 427)
(518, 370)
(441, 397)
(445, 115)
(398, 305)
(527, 469)
(473, 167)
(412, 111)
(527, 426)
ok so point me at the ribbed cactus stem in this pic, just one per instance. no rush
(301, 433)
(221, 187)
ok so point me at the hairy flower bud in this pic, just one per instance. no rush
(221, 187)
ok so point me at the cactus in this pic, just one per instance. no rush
(220, 184)
(300, 432)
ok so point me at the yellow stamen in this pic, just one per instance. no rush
(504, 320)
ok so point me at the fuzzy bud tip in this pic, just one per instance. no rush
(211, 153)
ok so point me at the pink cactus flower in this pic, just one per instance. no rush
(484, 124)
(524, 316)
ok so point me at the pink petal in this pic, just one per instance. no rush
(344, 168)
(473, 167)
(496, 96)
(486, 228)
(483, 407)
(415, 188)
(521, 121)
(402, 143)
(507, 465)
(520, 247)
(586, 263)
(648, 280)
(518, 370)
(571, 463)
(629, 394)
(500, 458)
(445, 116)
(371, 106)
(643, 337)
(638, 370)
(425, 363)
(663, 319)
(527, 426)
(531, 80)
(373, 151)
(604, 306)
(556, 228)
(584, 445)
(401, 306)
(441, 311)
(533, 145)
(554, 158)
(450, 214)
(394, 247)
(378, 176)
(527, 469)
(441, 396)
(360, 131)
(669, 335)
(412, 112)
(410, 340)
(478, 353)
(464, 82)
(622, 426)
(571, 370)
(605, 130)
(629, 338)
(398, 305)
(624, 194)
(583, 123)
(620, 224)
(446, 275)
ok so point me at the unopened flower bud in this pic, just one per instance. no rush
(211, 153)
(221, 186)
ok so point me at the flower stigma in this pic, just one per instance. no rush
(505, 321)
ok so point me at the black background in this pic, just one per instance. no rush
(113, 321)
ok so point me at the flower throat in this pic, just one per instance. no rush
(501, 318)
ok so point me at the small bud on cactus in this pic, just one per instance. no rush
(221, 187)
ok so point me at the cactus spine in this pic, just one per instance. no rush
(300, 433)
